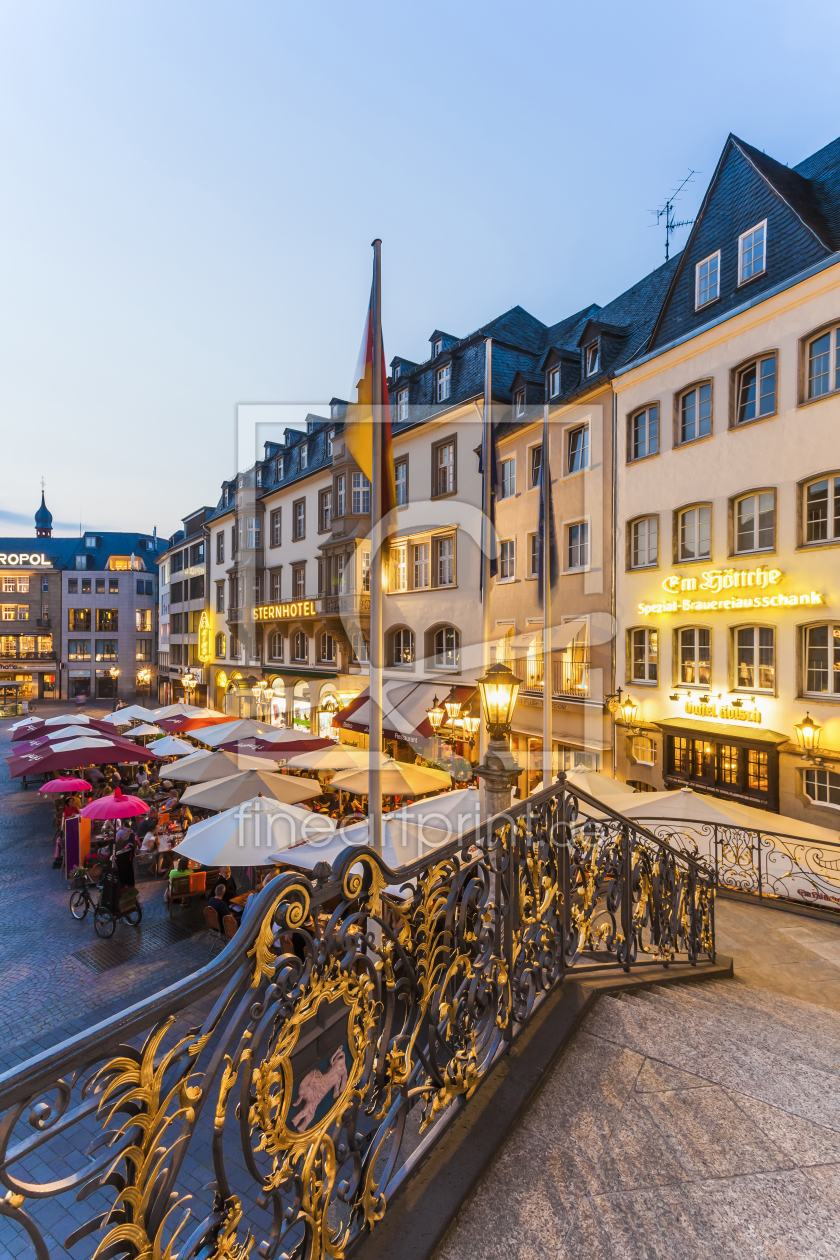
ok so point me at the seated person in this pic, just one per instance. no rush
(179, 870)
(222, 907)
(229, 882)
(145, 791)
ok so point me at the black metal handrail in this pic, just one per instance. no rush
(352, 1017)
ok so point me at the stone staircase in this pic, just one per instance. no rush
(697, 1120)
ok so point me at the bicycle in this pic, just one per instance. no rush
(81, 898)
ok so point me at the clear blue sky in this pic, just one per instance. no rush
(189, 191)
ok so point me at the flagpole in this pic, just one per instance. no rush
(545, 473)
(486, 541)
(376, 635)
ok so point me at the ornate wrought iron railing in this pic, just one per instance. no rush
(302, 1076)
(770, 865)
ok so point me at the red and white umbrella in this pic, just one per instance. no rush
(39, 728)
(71, 754)
(283, 741)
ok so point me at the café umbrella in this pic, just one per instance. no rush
(34, 730)
(232, 730)
(402, 842)
(131, 713)
(399, 778)
(251, 832)
(336, 757)
(72, 753)
(180, 709)
(170, 746)
(115, 806)
(180, 725)
(65, 785)
(140, 732)
(203, 765)
(244, 786)
(283, 741)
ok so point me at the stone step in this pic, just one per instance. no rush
(721, 1055)
(789, 1009)
(797, 1042)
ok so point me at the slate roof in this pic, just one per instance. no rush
(62, 551)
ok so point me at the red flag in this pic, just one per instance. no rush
(358, 426)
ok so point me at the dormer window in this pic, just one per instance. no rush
(707, 281)
(304, 456)
(437, 346)
(280, 468)
(751, 252)
(554, 382)
(396, 370)
(402, 405)
(519, 402)
(592, 358)
(330, 437)
(91, 540)
(443, 382)
(259, 477)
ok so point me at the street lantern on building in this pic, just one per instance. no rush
(189, 683)
(436, 715)
(144, 679)
(808, 736)
(498, 689)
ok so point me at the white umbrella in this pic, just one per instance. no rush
(242, 728)
(203, 766)
(72, 732)
(69, 719)
(170, 746)
(456, 812)
(131, 713)
(398, 779)
(338, 757)
(402, 842)
(245, 785)
(146, 728)
(598, 785)
(182, 710)
(250, 833)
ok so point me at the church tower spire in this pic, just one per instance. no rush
(43, 518)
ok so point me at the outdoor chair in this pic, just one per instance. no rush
(230, 924)
(212, 920)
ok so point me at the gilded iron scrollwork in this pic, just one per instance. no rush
(315, 1062)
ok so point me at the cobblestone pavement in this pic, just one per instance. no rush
(49, 992)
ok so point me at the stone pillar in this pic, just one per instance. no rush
(290, 700)
(315, 688)
(499, 772)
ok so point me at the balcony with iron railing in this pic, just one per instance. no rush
(568, 678)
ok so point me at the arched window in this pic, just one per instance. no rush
(447, 648)
(275, 646)
(327, 647)
(403, 647)
(301, 646)
(220, 645)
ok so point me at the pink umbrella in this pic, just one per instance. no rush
(116, 806)
(66, 785)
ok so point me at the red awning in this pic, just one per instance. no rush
(404, 709)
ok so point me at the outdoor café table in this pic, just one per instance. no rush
(241, 900)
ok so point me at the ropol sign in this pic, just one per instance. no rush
(14, 559)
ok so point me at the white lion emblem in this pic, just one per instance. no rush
(316, 1085)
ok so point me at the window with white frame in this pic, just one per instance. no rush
(695, 533)
(327, 645)
(591, 358)
(402, 405)
(536, 465)
(276, 533)
(824, 363)
(220, 547)
(696, 412)
(752, 250)
(445, 564)
(437, 346)
(325, 506)
(507, 559)
(644, 542)
(361, 494)
(519, 401)
(298, 581)
(644, 655)
(259, 477)
(577, 545)
(280, 468)
(533, 555)
(822, 660)
(707, 280)
(554, 382)
(578, 449)
(300, 646)
(755, 658)
(275, 646)
(757, 390)
(366, 570)
(330, 437)
(339, 495)
(402, 647)
(220, 597)
(443, 456)
(507, 488)
(643, 750)
(644, 433)
(822, 786)
(422, 566)
(299, 518)
(220, 645)
(695, 656)
(821, 505)
(340, 574)
(443, 382)
(401, 480)
(275, 587)
(399, 578)
(304, 456)
(755, 522)
(447, 648)
(254, 531)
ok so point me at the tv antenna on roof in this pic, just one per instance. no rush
(667, 213)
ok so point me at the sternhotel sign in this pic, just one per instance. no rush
(278, 612)
(714, 581)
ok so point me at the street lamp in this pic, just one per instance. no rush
(808, 736)
(144, 679)
(436, 715)
(452, 706)
(115, 673)
(498, 689)
(188, 682)
(258, 692)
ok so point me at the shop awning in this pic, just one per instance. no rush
(746, 732)
(404, 709)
